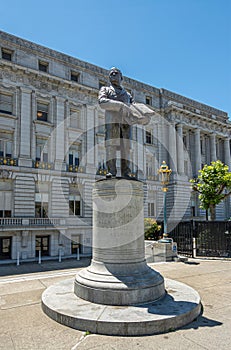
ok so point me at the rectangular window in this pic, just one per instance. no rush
(148, 137)
(42, 111)
(75, 244)
(41, 205)
(42, 245)
(42, 150)
(75, 121)
(74, 155)
(151, 209)
(6, 103)
(7, 54)
(43, 66)
(148, 100)
(150, 167)
(74, 206)
(5, 213)
(75, 76)
(5, 248)
(5, 204)
(41, 210)
(6, 147)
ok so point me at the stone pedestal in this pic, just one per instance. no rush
(118, 274)
(118, 294)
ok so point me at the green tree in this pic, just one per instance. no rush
(213, 185)
(151, 229)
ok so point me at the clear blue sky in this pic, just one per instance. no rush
(180, 45)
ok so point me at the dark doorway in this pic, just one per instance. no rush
(74, 247)
(42, 244)
(5, 248)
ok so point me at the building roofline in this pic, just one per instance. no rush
(18, 41)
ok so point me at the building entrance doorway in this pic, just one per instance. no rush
(5, 248)
(42, 244)
(75, 244)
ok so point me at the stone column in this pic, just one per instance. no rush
(172, 147)
(141, 162)
(59, 134)
(227, 152)
(33, 128)
(118, 274)
(180, 149)
(25, 129)
(90, 139)
(213, 154)
(17, 124)
(197, 150)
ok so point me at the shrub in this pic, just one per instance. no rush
(151, 229)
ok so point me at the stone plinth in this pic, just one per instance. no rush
(180, 306)
(118, 274)
(157, 251)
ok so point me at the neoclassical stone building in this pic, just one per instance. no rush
(52, 150)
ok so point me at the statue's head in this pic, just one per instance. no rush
(115, 76)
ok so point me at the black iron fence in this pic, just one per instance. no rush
(202, 238)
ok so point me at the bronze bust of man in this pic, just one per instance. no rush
(121, 113)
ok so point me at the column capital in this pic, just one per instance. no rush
(25, 90)
(60, 99)
(179, 125)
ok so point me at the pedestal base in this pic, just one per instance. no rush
(180, 306)
(119, 284)
(118, 274)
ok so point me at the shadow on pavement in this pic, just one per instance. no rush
(191, 263)
(47, 265)
(202, 321)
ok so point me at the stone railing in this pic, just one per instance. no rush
(10, 221)
(33, 222)
(45, 221)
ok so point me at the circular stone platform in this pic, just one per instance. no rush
(180, 306)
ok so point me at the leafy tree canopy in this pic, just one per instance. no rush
(213, 184)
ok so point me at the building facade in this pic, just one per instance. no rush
(52, 150)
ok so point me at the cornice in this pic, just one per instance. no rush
(183, 114)
(40, 80)
(190, 102)
(14, 43)
(42, 51)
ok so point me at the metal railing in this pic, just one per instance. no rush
(203, 238)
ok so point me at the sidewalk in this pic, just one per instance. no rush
(25, 327)
(46, 265)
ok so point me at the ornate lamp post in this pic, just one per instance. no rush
(165, 173)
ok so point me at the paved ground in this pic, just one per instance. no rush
(23, 325)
